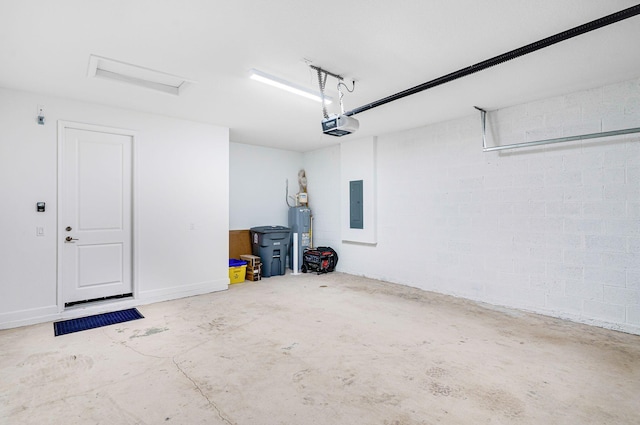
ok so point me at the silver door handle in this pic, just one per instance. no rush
(69, 239)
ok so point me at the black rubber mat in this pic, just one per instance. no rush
(96, 321)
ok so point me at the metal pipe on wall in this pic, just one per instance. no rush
(483, 118)
(563, 139)
(295, 259)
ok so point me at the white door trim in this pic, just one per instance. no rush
(62, 126)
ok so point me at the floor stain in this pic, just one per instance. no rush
(348, 380)
(500, 401)
(148, 332)
(52, 369)
(440, 389)
(35, 359)
(290, 347)
(437, 372)
(218, 324)
(300, 375)
(384, 398)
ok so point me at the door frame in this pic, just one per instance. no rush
(62, 126)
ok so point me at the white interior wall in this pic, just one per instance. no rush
(553, 229)
(257, 177)
(181, 184)
(323, 184)
(358, 163)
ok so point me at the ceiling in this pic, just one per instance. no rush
(385, 46)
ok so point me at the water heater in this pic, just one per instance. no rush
(300, 225)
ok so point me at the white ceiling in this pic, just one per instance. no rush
(386, 46)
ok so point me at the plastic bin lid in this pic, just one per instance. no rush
(270, 229)
(236, 263)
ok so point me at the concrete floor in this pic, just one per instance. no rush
(330, 349)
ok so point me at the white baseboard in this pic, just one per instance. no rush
(34, 316)
(175, 292)
(30, 316)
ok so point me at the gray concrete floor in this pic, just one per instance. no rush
(329, 349)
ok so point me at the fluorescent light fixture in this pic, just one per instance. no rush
(271, 80)
(112, 69)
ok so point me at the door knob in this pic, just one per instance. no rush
(68, 229)
(69, 239)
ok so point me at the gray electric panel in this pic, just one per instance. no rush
(300, 223)
(356, 220)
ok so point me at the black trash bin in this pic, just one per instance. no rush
(271, 244)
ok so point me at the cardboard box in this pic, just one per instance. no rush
(239, 243)
(253, 261)
(253, 274)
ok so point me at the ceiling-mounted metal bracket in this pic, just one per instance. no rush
(322, 81)
(324, 71)
(483, 119)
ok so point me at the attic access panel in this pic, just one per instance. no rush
(111, 69)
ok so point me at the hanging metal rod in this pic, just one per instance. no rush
(529, 48)
(483, 118)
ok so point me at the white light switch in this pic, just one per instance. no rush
(39, 231)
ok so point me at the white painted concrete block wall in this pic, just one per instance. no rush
(553, 229)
